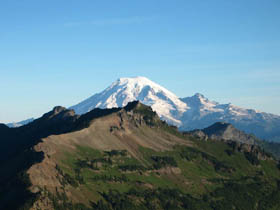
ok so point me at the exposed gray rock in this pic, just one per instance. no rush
(199, 134)
(224, 132)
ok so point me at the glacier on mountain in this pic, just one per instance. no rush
(167, 105)
(188, 113)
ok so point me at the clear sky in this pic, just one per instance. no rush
(59, 52)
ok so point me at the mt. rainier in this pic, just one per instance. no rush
(167, 105)
(188, 113)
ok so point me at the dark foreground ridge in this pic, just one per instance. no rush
(17, 153)
(127, 158)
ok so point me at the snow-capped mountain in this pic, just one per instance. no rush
(203, 112)
(167, 105)
(188, 113)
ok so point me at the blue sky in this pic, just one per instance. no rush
(58, 52)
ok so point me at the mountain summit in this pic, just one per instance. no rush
(167, 105)
(195, 112)
(202, 112)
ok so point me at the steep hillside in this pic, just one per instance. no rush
(18, 152)
(127, 158)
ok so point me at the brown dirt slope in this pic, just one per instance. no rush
(122, 130)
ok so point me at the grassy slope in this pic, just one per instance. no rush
(152, 166)
(198, 175)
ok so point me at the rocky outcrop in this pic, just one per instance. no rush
(250, 150)
(225, 132)
(199, 134)
(238, 140)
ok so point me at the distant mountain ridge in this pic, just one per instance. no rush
(188, 113)
(195, 112)
(204, 112)
(21, 123)
(224, 132)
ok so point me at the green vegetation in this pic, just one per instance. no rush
(242, 194)
(163, 161)
(208, 175)
(272, 147)
(252, 158)
(132, 167)
(192, 154)
(113, 153)
(204, 175)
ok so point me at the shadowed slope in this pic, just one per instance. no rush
(17, 144)
(129, 159)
